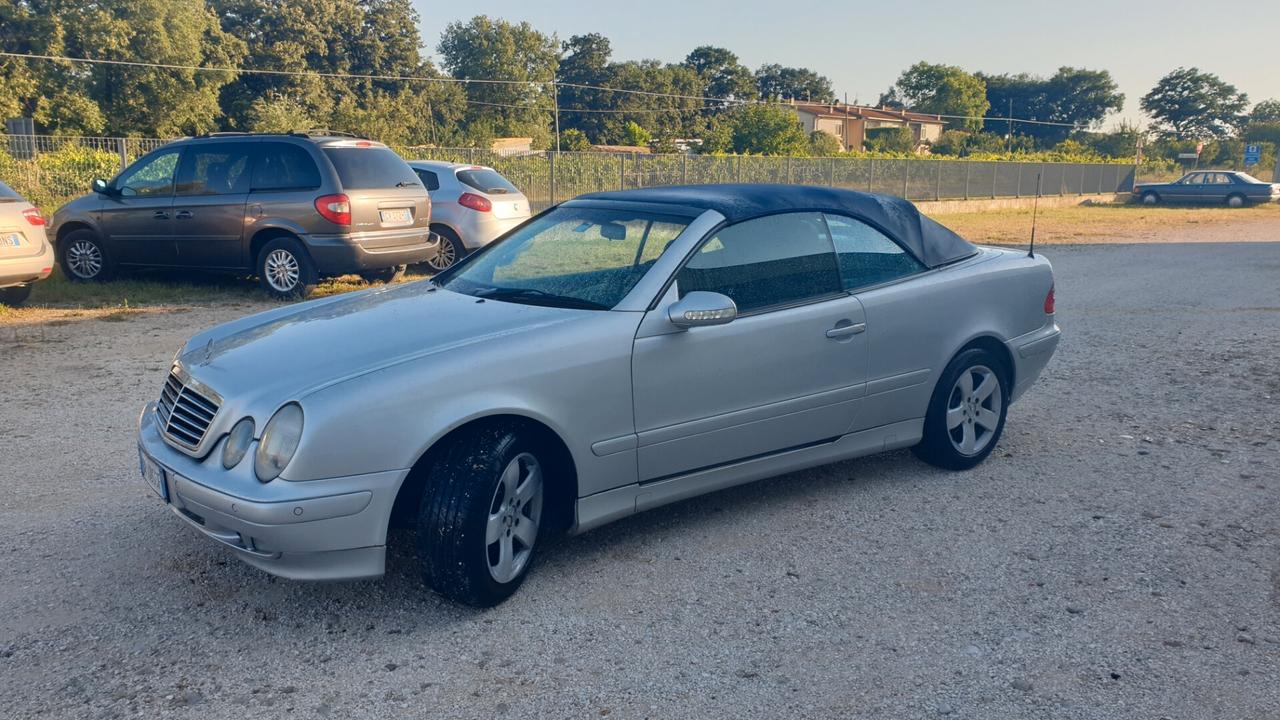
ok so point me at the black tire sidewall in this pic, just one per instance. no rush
(454, 513)
(14, 296)
(307, 275)
(75, 236)
(935, 446)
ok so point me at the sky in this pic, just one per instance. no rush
(863, 46)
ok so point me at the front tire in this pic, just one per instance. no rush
(967, 412)
(285, 270)
(1150, 198)
(14, 296)
(83, 258)
(480, 517)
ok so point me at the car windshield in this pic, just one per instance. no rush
(486, 180)
(575, 257)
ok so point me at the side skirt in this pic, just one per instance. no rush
(605, 507)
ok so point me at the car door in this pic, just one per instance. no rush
(1189, 189)
(136, 216)
(209, 203)
(785, 374)
(901, 316)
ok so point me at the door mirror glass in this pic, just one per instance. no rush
(700, 308)
(99, 186)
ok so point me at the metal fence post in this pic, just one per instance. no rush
(968, 165)
(831, 177)
(684, 169)
(906, 179)
(1018, 192)
(788, 169)
(124, 153)
(622, 172)
(1081, 179)
(937, 187)
(552, 157)
(737, 168)
(871, 176)
(995, 175)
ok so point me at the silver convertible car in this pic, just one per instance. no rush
(615, 353)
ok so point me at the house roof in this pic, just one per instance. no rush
(640, 149)
(861, 112)
(928, 241)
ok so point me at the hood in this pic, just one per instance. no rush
(289, 352)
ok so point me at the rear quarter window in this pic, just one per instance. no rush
(368, 168)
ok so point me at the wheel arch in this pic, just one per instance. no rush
(564, 475)
(997, 347)
(69, 227)
(261, 237)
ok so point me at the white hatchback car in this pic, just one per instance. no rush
(25, 253)
(471, 206)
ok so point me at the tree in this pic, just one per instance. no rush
(943, 90)
(722, 75)
(487, 49)
(1267, 111)
(758, 130)
(1190, 105)
(1073, 99)
(574, 140)
(891, 140)
(667, 102)
(775, 82)
(635, 135)
(585, 62)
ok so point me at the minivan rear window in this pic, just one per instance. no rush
(366, 168)
(487, 181)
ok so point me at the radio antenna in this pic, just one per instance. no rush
(1035, 212)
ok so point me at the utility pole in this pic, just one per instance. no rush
(555, 98)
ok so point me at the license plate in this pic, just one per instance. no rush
(399, 216)
(153, 475)
(13, 240)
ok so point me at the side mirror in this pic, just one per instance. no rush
(700, 308)
(100, 186)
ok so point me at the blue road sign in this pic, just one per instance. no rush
(1252, 154)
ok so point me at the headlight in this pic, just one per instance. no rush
(238, 441)
(279, 441)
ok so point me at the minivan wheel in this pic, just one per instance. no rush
(285, 270)
(451, 250)
(82, 257)
(967, 412)
(15, 296)
(384, 275)
(481, 512)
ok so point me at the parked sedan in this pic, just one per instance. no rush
(471, 206)
(1234, 189)
(619, 352)
(25, 254)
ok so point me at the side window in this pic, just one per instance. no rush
(866, 255)
(768, 261)
(1194, 179)
(215, 169)
(152, 177)
(281, 166)
(430, 180)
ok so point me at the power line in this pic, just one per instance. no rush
(709, 103)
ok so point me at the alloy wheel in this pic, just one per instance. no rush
(282, 271)
(514, 513)
(973, 409)
(84, 259)
(445, 257)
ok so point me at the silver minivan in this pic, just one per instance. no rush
(472, 205)
(289, 208)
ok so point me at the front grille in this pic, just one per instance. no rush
(185, 412)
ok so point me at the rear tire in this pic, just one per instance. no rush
(1235, 201)
(14, 296)
(384, 275)
(1150, 198)
(481, 515)
(451, 249)
(285, 269)
(967, 412)
(83, 258)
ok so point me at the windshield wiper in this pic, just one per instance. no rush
(534, 296)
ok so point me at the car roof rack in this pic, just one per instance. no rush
(321, 132)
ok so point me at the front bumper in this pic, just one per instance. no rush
(341, 254)
(332, 529)
(1031, 353)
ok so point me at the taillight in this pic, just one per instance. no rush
(334, 208)
(475, 202)
(33, 216)
(1048, 302)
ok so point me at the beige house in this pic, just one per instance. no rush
(850, 123)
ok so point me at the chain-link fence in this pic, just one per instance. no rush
(51, 170)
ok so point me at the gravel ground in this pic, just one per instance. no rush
(1117, 557)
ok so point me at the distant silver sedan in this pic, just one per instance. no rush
(471, 205)
(25, 253)
(619, 352)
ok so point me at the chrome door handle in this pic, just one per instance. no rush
(846, 330)
(160, 215)
(184, 215)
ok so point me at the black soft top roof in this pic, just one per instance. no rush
(930, 242)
